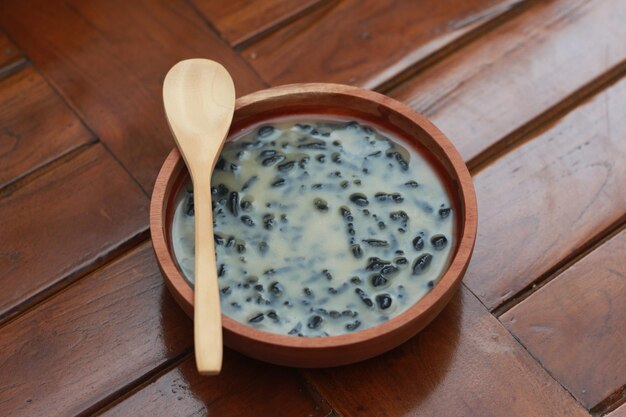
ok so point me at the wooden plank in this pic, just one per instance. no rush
(542, 202)
(245, 387)
(527, 69)
(10, 56)
(75, 350)
(108, 59)
(64, 221)
(366, 42)
(575, 325)
(620, 412)
(465, 363)
(241, 20)
(36, 126)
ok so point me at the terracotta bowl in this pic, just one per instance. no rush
(339, 100)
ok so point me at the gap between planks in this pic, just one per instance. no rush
(590, 245)
(217, 33)
(22, 180)
(238, 47)
(137, 385)
(546, 119)
(314, 392)
(442, 53)
(525, 134)
(83, 120)
(19, 181)
(529, 353)
(13, 68)
(75, 277)
(144, 380)
(614, 400)
(611, 403)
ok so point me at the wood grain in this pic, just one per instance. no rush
(244, 388)
(465, 363)
(366, 42)
(575, 324)
(10, 56)
(546, 199)
(108, 59)
(75, 350)
(36, 126)
(240, 20)
(63, 222)
(620, 412)
(524, 70)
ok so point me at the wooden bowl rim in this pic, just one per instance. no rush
(183, 292)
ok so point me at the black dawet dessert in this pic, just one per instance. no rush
(322, 227)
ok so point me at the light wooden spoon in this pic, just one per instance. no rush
(199, 98)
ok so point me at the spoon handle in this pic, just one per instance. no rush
(207, 313)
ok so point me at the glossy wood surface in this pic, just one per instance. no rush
(35, 124)
(527, 69)
(531, 92)
(564, 186)
(580, 314)
(240, 20)
(245, 387)
(109, 58)
(366, 42)
(10, 57)
(620, 412)
(120, 314)
(124, 311)
(465, 363)
(63, 222)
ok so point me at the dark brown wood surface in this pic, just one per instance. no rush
(35, 124)
(10, 57)
(620, 412)
(366, 42)
(522, 73)
(63, 221)
(580, 314)
(533, 93)
(564, 186)
(240, 20)
(109, 58)
(121, 312)
(465, 363)
(245, 387)
(124, 311)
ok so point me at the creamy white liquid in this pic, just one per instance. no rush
(286, 257)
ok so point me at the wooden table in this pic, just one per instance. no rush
(532, 93)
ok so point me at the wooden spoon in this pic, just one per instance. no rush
(199, 98)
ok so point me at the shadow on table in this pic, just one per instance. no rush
(404, 376)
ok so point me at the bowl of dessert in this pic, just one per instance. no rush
(343, 224)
